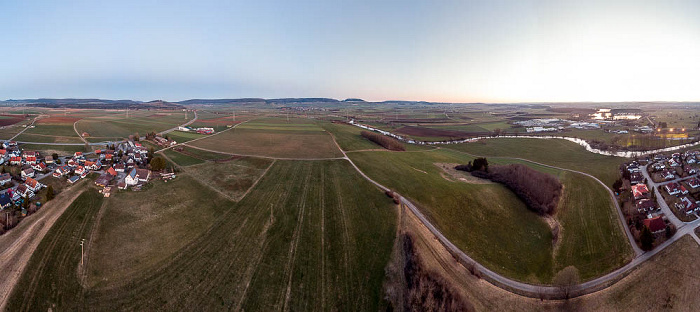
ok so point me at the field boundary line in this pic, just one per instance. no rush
(258, 180)
(83, 272)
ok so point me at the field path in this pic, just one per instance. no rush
(25, 129)
(20, 243)
(78, 133)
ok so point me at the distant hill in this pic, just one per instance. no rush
(223, 101)
(93, 103)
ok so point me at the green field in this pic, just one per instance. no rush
(310, 236)
(110, 128)
(202, 154)
(495, 228)
(560, 153)
(486, 220)
(42, 138)
(65, 130)
(349, 138)
(181, 137)
(592, 236)
(46, 149)
(181, 159)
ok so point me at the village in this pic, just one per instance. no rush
(125, 165)
(660, 193)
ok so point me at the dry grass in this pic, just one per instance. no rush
(139, 230)
(232, 178)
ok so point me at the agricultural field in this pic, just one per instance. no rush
(138, 231)
(233, 177)
(274, 138)
(61, 150)
(181, 159)
(350, 140)
(309, 236)
(7, 132)
(42, 138)
(181, 137)
(591, 231)
(204, 155)
(348, 137)
(104, 128)
(54, 275)
(560, 153)
(9, 120)
(477, 216)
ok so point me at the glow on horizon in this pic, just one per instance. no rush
(463, 51)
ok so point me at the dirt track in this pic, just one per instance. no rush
(19, 243)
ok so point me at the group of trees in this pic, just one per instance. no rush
(540, 191)
(158, 163)
(479, 164)
(383, 140)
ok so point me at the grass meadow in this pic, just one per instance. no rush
(492, 225)
(560, 153)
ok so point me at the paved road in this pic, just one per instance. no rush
(660, 199)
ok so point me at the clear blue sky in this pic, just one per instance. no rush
(461, 51)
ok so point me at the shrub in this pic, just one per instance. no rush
(384, 141)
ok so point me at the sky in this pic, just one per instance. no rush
(441, 51)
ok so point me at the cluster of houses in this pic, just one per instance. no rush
(128, 167)
(669, 168)
(30, 164)
(676, 168)
(644, 201)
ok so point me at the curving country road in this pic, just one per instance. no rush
(532, 290)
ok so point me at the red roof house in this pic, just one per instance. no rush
(655, 224)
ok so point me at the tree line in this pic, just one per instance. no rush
(540, 191)
(384, 141)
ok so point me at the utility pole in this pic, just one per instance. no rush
(82, 242)
(234, 115)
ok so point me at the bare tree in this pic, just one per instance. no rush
(566, 279)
